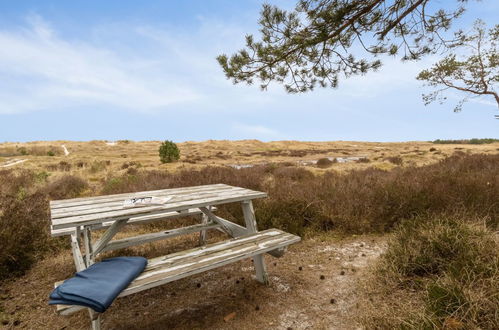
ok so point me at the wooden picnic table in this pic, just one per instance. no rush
(78, 217)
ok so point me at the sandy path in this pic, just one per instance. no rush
(66, 152)
(315, 285)
(13, 162)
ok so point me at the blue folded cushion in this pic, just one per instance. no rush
(97, 286)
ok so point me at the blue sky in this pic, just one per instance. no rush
(146, 70)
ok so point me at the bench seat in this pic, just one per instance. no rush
(175, 266)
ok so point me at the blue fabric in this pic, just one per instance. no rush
(98, 285)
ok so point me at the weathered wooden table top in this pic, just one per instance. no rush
(94, 210)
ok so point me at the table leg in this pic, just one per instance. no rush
(78, 235)
(87, 240)
(89, 260)
(95, 319)
(258, 261)
(202, 233)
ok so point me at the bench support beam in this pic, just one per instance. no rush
(108, 236)
(148, 238)
(234, 230)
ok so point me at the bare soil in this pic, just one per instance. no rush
(315, 285)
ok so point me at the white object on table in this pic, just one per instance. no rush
(145, 201)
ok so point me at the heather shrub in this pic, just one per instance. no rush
(359, 201)
(67, 186)
(45, 150)
(30, 150)
(64, 166)
(97, 166)
(470, 141)
(24, 232)
(397, 160)
(363, 160)
(13, 183)
(324, 163)
(24, 216)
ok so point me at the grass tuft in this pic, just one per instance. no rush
(449, 265)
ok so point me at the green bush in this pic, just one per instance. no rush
(168, 152)
(22, 150)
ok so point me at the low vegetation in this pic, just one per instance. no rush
(168, 152)
(470, 141)
(441, 267)
(24, 217)
(360, 201)
(36, 150)
(440, 271)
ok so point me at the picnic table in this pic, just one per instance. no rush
(78, 217)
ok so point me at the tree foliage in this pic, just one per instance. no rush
(168, 152)
(475, 73)
(313, 44)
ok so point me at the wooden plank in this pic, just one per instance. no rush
(77, 256)
(172, 267)
(196, 264)
(228, 227)
(188, 262)
(87, 240)
(202, 233)
(103, 208)
(234, 230)
(148, 238)
(118, 205)
(118, 215)
(133, 220)
(93, 199)
(108, 236)
(213, 248)
(115, 197)
(258, 261)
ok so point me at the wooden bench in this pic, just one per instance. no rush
(78, 217)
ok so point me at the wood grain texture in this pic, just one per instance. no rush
(67, 215)
(152, 237)
(134, 220)
(175, 266)
(251, 226)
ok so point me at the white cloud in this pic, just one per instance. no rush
(40, 70)
(151, 68)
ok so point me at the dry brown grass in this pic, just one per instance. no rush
(356, 197)
(96, 160)
(439, 271)
(360, 201)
